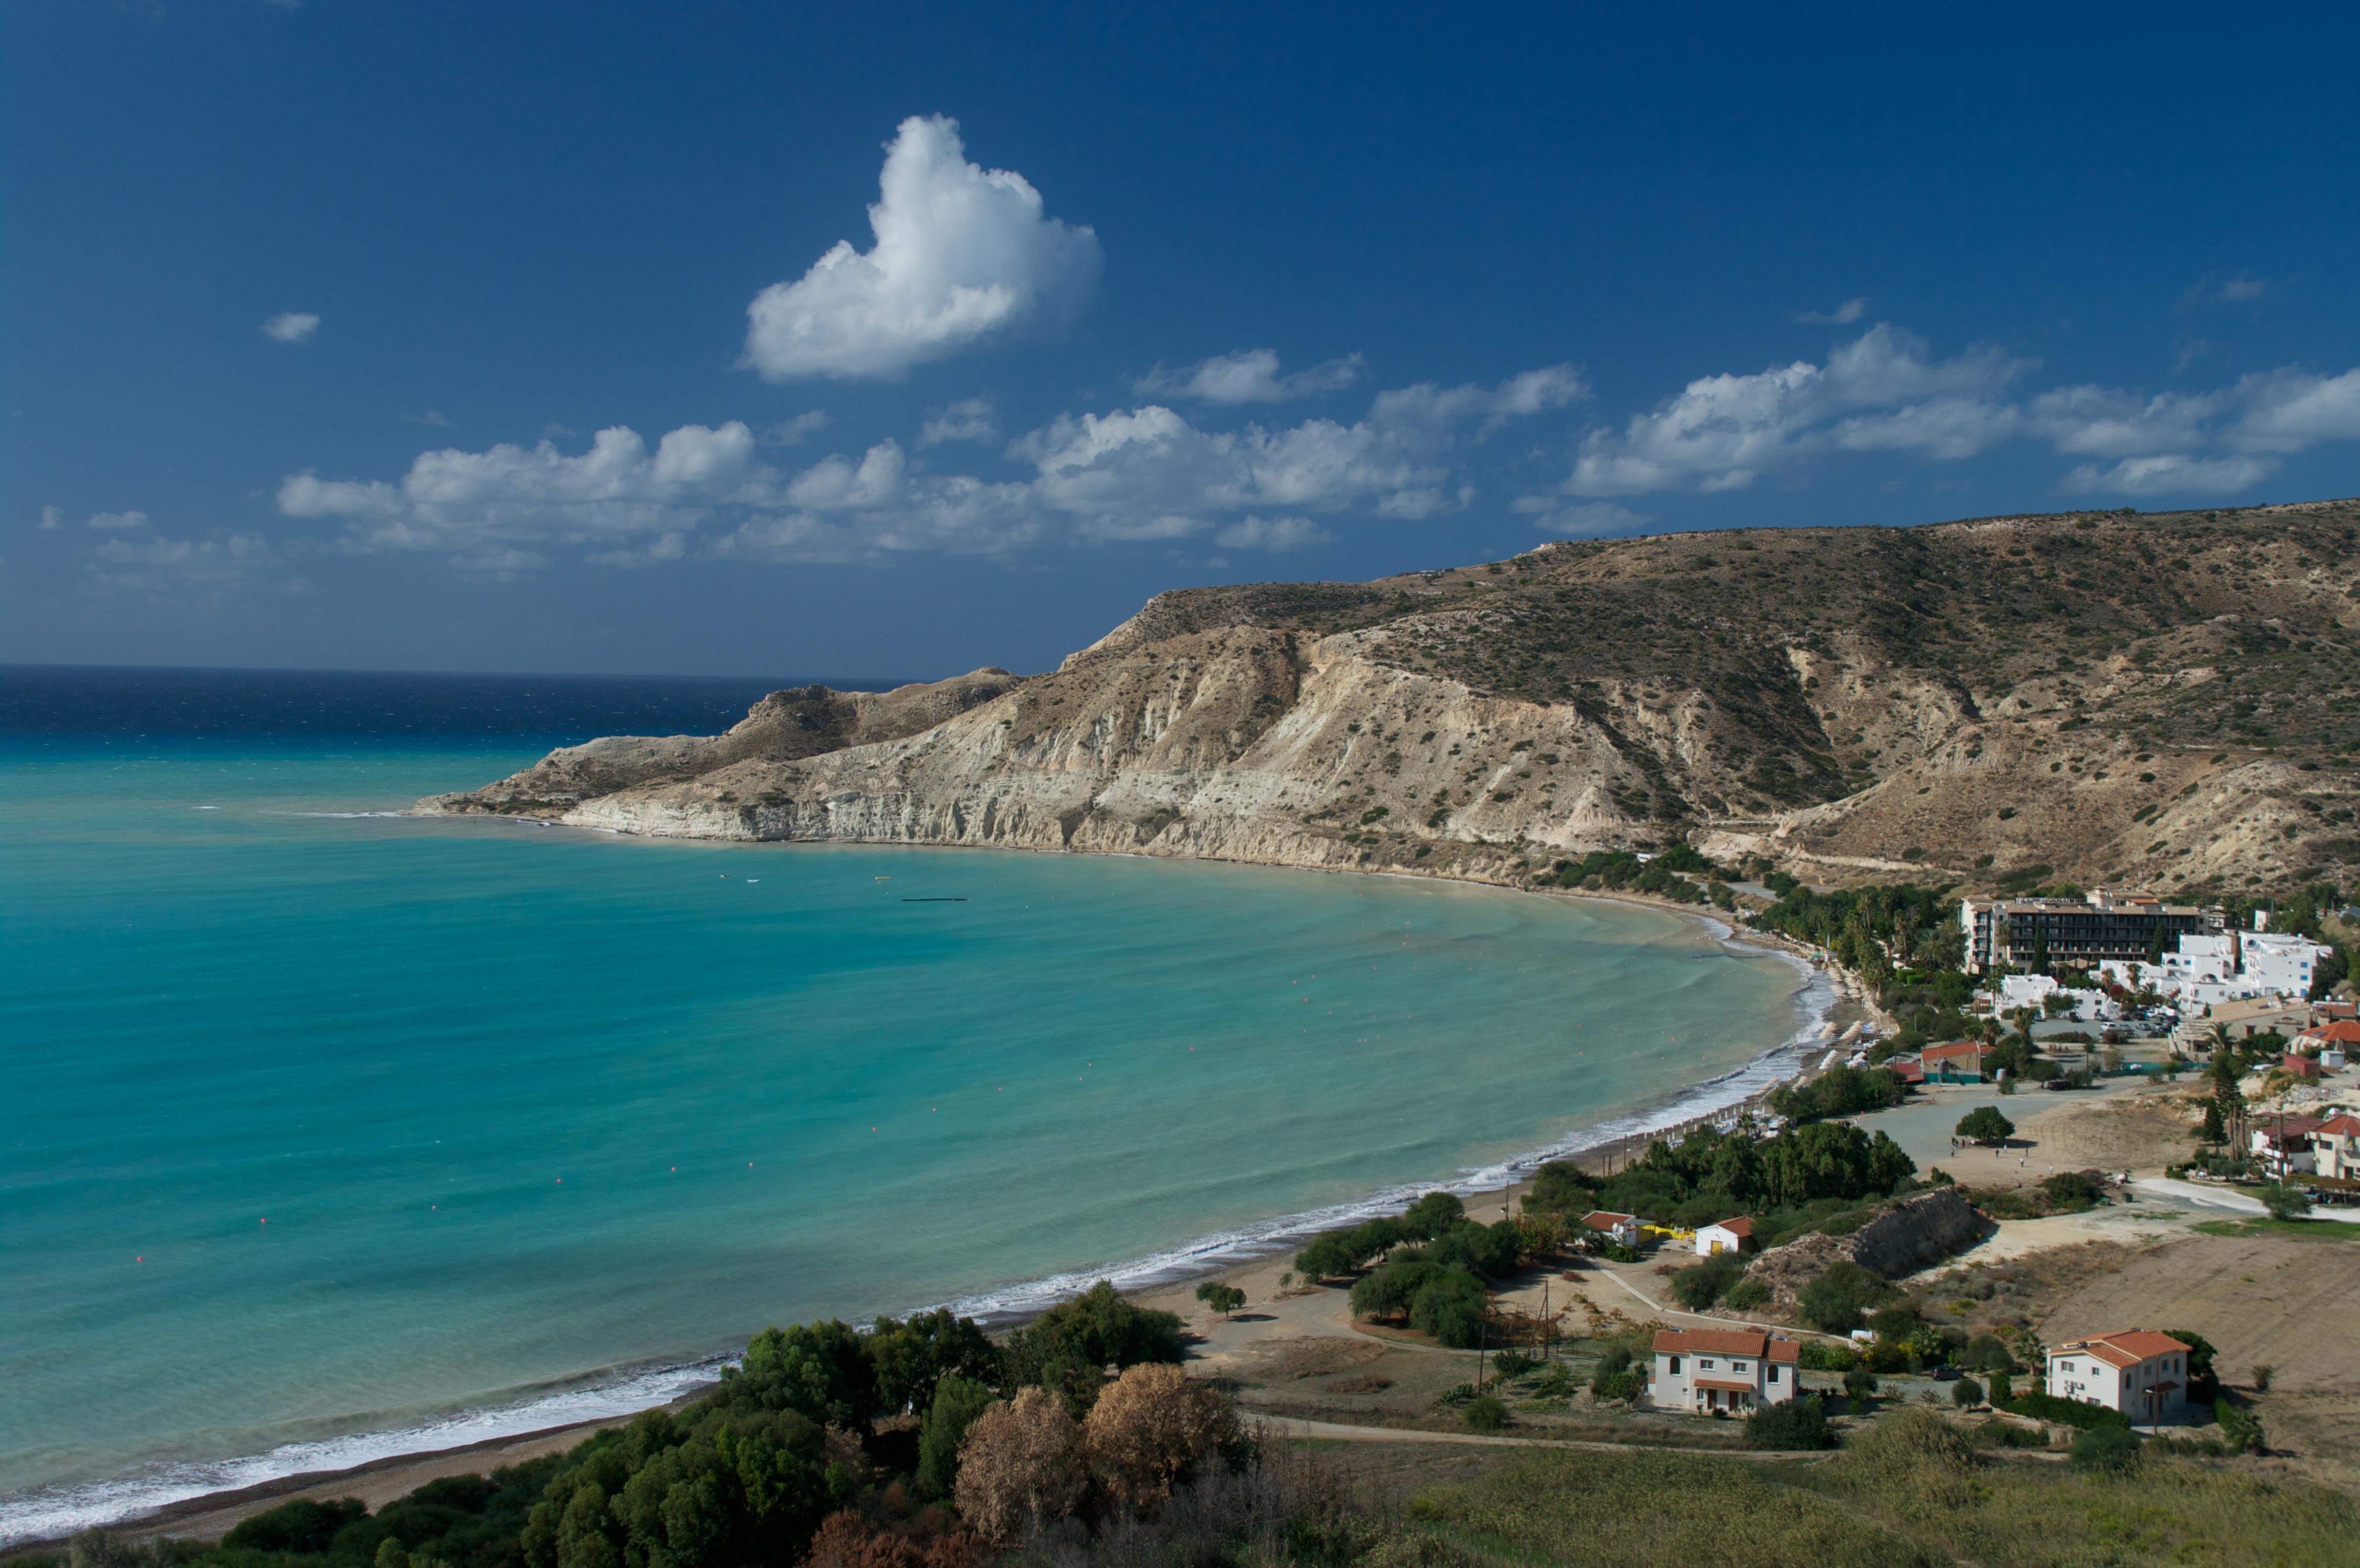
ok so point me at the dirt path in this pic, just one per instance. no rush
(1293, 1426)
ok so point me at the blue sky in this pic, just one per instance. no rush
(891, 341)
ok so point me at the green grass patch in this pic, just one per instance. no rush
(1912, 1489)
(2304, 1230)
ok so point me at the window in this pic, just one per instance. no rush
(1704, 1363)
(1738, 1366)
(1773, 1373)
(1675, 1368)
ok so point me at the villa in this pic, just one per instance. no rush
(1722, 1369)
(2139, 1372)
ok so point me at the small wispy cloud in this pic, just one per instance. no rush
(794, 431)
(117, 522)
(1250, 376)
(2240, 289)
(290, 326)
(52, 519)
(969, 419)
(431, 416)
(1844, 315)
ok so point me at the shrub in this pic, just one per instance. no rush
(2003, 1389)
(1222, 1298)
(1966, 1393)
(2109, 1450)
(1792, 1424)
(1618, 1376)
(1485, 1413)
(1746, 1295)
(1896, 1323)
(1835, 1300)
(1700, 1284)
(1986, 1352)
(1513, 1364)
(2285, 1202)
(2242, 1430)
(1819, 1356)
(2262, 1372)
(2070, 1191)
(2065, 1412)
(1860, 1383)
(1021, 1467)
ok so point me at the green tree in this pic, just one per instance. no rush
(2216, 1123)
(1966, 1393)
(1450, 1307)
(911, 1357)
(1222, 1298)
(1984, 1124)
(1096, 1329)
(958, 1402)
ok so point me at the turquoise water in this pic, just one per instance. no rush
(330, 1135)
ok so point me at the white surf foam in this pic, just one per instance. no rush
(55, 1511)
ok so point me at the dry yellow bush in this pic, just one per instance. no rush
(1020, 1467)
(1151, 1430)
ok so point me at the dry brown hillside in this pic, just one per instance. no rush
(2170, 699)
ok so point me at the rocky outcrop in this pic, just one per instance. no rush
(1905, 1238)
(1957, 703)
(786, 725)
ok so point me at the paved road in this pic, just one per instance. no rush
(2227, 1199)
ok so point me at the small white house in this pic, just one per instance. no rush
(1727, 1235)
(1622, 1228)
(2139, 1372)
(1722, 1369)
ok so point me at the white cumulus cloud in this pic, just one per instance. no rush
(1248, 377)
(1721, 433)
(962, 254)
(290, 326)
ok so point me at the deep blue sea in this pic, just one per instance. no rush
(330, 1132)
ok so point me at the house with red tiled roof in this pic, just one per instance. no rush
(2285, 1144)
(1725, 1235)
(1623, 1228)
(2334, 1035)
(1722, 1369)
(2335, 1148)
(2139, 1372)
(1960, 1061)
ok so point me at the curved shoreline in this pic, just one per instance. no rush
(599, 1398)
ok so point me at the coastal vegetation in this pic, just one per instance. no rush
(1160, 1474)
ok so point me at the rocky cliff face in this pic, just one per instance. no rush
(2171, 700)
(1908, 1236)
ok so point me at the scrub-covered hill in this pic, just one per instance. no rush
(2171, 699)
